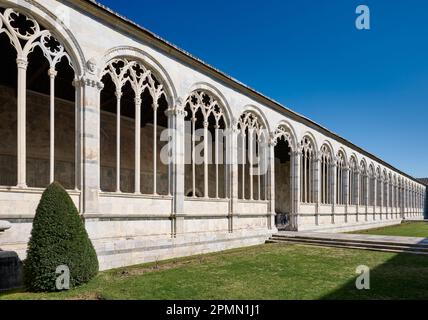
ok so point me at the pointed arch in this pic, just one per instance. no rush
(208, 112)
(285, 131)
(326, 161)
(252, 154)
(135, 55)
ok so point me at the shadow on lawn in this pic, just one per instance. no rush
(404, 276)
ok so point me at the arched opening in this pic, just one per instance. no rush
(44, 93)
(326, 175)
(353, 181)
(307, 171)
(133, 117)
(378, 188)
(282, 182)
(363, 201)
(8, 113)
(340, 179)
(252, 158)
(372, 187)
(205, 167)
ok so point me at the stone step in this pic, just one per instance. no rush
(423, 246)
(347, 246)
(395, 246)
(366, 245)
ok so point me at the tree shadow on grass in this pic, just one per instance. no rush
(404, 276)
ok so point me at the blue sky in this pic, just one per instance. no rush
(371, 87)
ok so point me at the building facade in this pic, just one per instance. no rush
(164, 155)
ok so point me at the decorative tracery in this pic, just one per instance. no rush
(372, 186)
(353, 181)
(125, 72)
(252, 141)
(326, 175)
(363, 184)
(385, 189)
(340, 178)
(25, 35)
(206, 112)
(307, 170)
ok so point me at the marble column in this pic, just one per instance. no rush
(333, 188)
(296, 157)
(346, 191)
(176, 117)
(232, 137)
(22, 64)
(316, 185)
(90, 135)
(271, 179)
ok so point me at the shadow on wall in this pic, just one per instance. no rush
(404, 276)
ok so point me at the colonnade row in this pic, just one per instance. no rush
(211, 154)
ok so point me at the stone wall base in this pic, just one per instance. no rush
(355, 226)
(120, 252)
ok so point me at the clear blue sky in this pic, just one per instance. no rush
(371, 87)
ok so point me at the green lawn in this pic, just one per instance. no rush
(273, 271)
(408, 229)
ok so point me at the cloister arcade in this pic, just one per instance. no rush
(146, 151)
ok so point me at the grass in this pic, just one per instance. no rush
(273, 271)
(407, 229)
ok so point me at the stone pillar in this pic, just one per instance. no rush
(52, 74)
(381, 197)
(357, 192)
(316, 186)
(90, 139)
(118, 137)
(333, 195)
(78, 137)
(271, 179)
(232, 137)
(346, 191)
(176, 117)
(137, 179)
(296, 157)
(367, 196)
(22, 64)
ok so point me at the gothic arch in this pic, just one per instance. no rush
(284, 130)
(330, 146)
(342, 152)
(309, 135)
(134, 54)
(34, 10)
(259, 114)
(217, 95)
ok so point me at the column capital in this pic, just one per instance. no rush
(52, 72)
(22, 63)
(296, 153)
(118, 94)
(138, 101)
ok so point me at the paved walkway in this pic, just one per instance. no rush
(356, 237)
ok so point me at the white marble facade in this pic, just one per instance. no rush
(150, 210)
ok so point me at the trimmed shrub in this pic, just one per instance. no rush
(58, 238)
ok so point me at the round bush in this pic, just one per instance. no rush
(58, 238)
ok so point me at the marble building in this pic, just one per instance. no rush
(85, 99)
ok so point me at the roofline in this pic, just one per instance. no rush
(130, 26)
